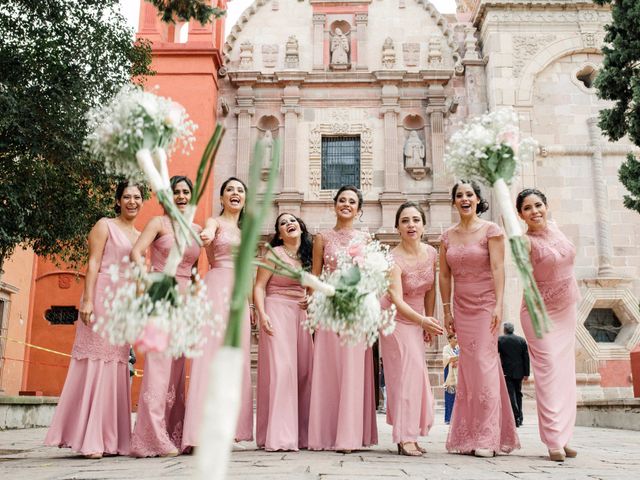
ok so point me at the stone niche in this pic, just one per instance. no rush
(415, 153)
(340, 45)
(268, 128)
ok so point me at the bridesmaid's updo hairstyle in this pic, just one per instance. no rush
(176, 179)
(120, 191)
(482, 206)
(406, 205)
(224, 185)
(525, 193)
(351, 188)
(305, 251)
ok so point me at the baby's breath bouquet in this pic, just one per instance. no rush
(132, 134)
(172, 324)
(353, 311)
(488, 149)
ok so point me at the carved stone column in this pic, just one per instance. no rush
(290, 109)
(605, 248)
(319, 20)
(362, 20)
(244, 111)
(435, 110)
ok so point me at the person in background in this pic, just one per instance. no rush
(450, 354)
(514, 356)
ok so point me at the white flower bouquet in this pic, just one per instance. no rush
(353, 310)
(172, 324)
(132, 133)
(488, 149)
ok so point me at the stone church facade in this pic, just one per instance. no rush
(369, 91)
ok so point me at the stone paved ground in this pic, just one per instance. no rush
(603, 454)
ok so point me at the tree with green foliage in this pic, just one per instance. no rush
(619, 81)
(185, 10)
(58, 58)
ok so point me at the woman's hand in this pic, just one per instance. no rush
(86, 311)
(431, 326)
(449, 324)
(207, 235)
(265, 324)
(496, 318)
(304, 303)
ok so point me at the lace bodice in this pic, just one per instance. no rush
(417, 278)
(552, 257)
(468, 253)
(278, 284)
(336, 241)
(220, 250)
(161, 247)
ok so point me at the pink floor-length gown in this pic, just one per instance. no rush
(284, 367)
(553, 356)
(410, 403)
(161, 405)
(342, 413)
(94, 411)
(219, 281)
(482, 417)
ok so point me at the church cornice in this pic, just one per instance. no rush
(533, 10)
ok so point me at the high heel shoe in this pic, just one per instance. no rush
(420, 449)
(93, 456)
(484, 453)
(556, 455)
(409, 453)
(570, 452)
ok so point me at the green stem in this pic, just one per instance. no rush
(206, 163)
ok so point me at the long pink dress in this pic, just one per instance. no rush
(410, 403)
(94, 411)
(161, 404)
(284, 367)
(482, 417)
(219, 281)
(553, 356)
(342, 413)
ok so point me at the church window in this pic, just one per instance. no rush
(61, 315)
(340, 162)
(603, 325)
(587, 75)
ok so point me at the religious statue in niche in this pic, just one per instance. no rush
(339, 48)
(388, 53)
(267, 143)
(414, 156)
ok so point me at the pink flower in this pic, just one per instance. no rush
(510, 137)
(356, 251)
(152, 339)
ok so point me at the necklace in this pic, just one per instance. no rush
(289, 253)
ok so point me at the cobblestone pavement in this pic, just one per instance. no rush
(603, 454)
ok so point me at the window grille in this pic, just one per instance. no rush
(603, 325)
(61, 315)
(340, 162)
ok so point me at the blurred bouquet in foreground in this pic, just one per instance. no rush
(172, 324)
(488, 148)
(347, 300)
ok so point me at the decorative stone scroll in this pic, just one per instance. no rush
(525, 47)
(269, 55)
(340, 126)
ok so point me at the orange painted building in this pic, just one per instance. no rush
(186, 58)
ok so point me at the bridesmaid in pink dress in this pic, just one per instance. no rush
(220, 236)
(158, 429)
(342, 414)
(472, 253)
(553, 356)
(285, 349)
(410, 403)
(93, 415)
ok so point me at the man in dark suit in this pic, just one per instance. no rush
(514, 356)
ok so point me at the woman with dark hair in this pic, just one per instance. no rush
(285, 349)
(93, 415)
(220, 237)
(472, 254)
(342, 414)
(158, 428)
(553, 356)
(410, 402)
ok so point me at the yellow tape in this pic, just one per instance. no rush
(137, 372)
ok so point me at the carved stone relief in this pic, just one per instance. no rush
(434, 56)
(340, 49)
(525, 47)
(388, 53)
(593, 39)
(517, 16)
(246, 56)
(269, 55)
(292, 54)
(411, 54)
